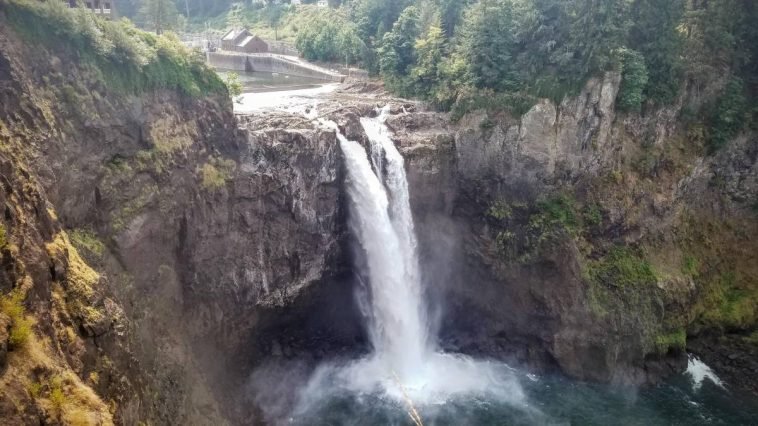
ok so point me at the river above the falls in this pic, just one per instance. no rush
(265, 91)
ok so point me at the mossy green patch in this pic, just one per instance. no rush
(728, 305)
(84, 239)
(132, 207)
(673, 341)
(81, 280)
(3, 237)
(690, 266)
(216, 172)
(12, 305)
(622, 267)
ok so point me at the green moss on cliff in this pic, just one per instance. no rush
(125, 58)
(526, 231)
(84, 239)
(728, 305)
(3, 237)
(12, 305)
(622, 267)
(673, 341)
(216, 172)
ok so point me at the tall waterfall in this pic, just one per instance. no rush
(405, 363)
(380, 219)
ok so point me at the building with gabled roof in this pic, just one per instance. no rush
(241, 40)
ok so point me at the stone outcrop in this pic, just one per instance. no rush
(514, 279)
(175, 234)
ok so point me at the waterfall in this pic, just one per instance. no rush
(396, 326)
(405, 364)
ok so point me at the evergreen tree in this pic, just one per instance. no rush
(396, 52)
(158, 15)
(655, 34)
(426, 75)
(487, 44)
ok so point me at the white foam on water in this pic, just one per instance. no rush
(295, 101)
(405, 364)
(699, 372)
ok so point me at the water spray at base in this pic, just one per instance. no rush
(405, 364)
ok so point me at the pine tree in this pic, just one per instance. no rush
(158, 15)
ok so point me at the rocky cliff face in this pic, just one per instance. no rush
(155, 248)
(581, 239)
(149, 242)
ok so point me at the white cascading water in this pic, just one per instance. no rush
(405, 363)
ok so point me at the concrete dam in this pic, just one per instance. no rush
(271, 62)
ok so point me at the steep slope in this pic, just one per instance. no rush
(148, 242)
(599, 243)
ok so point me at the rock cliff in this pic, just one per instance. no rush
(155, 248)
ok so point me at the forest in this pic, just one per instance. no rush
(503, 54)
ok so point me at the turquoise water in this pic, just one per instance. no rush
(549, 401)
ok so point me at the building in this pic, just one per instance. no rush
(240, 40)
(102, 8)
(323, 3)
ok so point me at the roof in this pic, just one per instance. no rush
(233, 34)
(247, 40)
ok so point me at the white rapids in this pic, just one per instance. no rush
(698, 371)
(406, 363)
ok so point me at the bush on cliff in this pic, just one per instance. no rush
(127, 59)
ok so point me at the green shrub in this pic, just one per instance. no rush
(216, 172)
(12, 305)
(634, 80)
(3, 237)
(87, 240)
(472, 100)
(57, 397)
(690, 266)
(622, 267)
(676, 341)
(125, 58)
(729, 115)
(560, 210)
(500, 210)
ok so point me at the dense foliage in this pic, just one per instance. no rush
(502, 54)
(329, 37)
(128, 59)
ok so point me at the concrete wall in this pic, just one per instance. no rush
(227, 61)
(270, 63)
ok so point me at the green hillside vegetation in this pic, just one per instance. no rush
(128, 59)
(503, 54)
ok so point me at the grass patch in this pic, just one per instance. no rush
(690, 266)
(12, 305)
(3, 237)
(86, 240)
(81, 280)
(728, 305)
(527, 230)
(622, 267)
(674, 341)
(216, 172)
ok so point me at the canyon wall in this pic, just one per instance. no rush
(580, 239)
